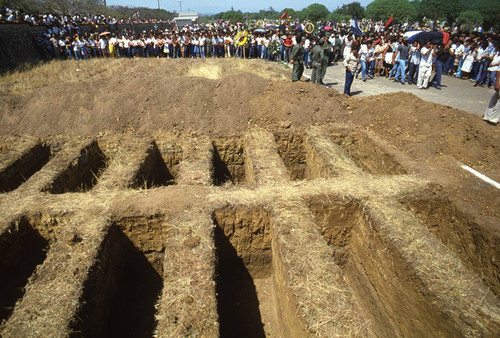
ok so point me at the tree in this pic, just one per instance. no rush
(489, 9)
(448, 10)
(315, 12)
(401, 10)
(350, 10)
(336, 17)
(468, 19)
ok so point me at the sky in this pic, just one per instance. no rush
(217, 6)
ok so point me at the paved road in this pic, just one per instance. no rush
(455, 93)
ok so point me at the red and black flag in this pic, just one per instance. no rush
(284, 16)
(388, 23)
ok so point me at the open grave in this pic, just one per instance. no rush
(82, 174)
(23, 168)
(244, 273)
(22, 248)
(228, 161)
(386, 288)
(120, 294)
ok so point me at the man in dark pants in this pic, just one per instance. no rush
(297, 59)
(317, 56)
(351, 64)
(443, 54)
(326, 59)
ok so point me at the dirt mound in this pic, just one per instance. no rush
(146, 102)
(424, 129)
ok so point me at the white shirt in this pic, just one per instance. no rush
(425, 60)
(363, 51)
(460, 50)
(415, 55)
(494, 65)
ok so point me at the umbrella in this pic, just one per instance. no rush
(260, 30)
(327, 28)
(271, 26)
(104, 33)
(239, 23)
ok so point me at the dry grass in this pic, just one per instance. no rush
(27, 79)
(216, 69)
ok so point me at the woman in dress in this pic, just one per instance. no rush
(469, 57)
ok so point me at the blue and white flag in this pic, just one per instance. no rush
(354, 27)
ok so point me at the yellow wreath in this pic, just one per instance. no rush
(309, 27)
(241, 38)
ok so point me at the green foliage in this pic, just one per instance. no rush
(401, 10)
(315, 12)
(442, 10)
(350, 10)
(468, 19)
(336, 17)
(489, 9)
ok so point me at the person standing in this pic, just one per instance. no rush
(351, 65)
(297, 59)
(414, 62)
(443, 54)
(403, 53)
(492, 115)
(326, 58)
(427, 53)
(317, 56)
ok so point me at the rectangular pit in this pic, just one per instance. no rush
(22, 248)
(367, 154)
(157, 170)
(387, 289)
(82, 175)
(244, 273)
(125, 282)
(26, 166)
(228, 162)
(291, 149)
(472, 239)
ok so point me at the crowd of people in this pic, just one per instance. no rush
(377, 52)
(8, 15)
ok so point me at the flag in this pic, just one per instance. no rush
(354, 27)
(284, 16)
(246, 16)
(388, 23)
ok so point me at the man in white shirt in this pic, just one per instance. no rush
(483, 58)
(459, 55)
(414, 63)
(351, 65)
(427, 53)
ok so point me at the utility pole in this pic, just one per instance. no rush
(180, 6)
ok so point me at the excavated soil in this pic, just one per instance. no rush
(214, 198)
